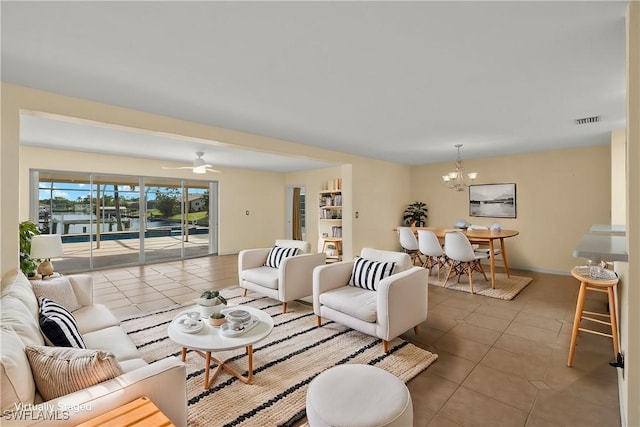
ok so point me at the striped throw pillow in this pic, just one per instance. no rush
(58, 326)
(58, 371)
(367, 274)
(277, 254)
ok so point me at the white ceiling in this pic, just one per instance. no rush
(400, 81)
(44, 130)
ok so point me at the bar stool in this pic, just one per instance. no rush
(605, 285)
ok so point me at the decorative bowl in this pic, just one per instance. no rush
(217, 321)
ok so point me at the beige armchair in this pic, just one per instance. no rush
(291, 280)
(399, 302)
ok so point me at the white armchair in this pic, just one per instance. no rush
(398, 304)
(291, 280)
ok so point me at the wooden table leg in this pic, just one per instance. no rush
(504, 256)
(223, 366)
(184, 353)
(613, 315)
(492, 264)
(207, 367)
(250, 358)
(576, 321)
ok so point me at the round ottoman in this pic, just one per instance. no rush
(357, 396)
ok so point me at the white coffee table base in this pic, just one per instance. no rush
(208, 380)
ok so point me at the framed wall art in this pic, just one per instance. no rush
(492, 200)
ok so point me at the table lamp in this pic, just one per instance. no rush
(46, 246)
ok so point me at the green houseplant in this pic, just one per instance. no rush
(27, 230)
(416, 214)
(211, 302)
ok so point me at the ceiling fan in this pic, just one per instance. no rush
(199, 165)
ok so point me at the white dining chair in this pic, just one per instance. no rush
(431, 248)
(409, 244)
(462, 257)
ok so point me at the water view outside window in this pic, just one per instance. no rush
(108, 221)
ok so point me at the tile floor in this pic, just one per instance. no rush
(501, 363)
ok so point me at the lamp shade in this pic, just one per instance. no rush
(46, 246)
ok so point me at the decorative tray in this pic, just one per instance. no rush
(189, 323)
(225, 329)
(602, 274)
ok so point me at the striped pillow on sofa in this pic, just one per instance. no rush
(58, 326)
(58, 371)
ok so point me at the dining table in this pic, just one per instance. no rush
(477, 236)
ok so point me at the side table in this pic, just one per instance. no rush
(38, 277)
(141, 412)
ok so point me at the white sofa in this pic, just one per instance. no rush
(290, 281)
(163, 381)
(398, 304)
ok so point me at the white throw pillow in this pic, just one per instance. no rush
(57, 289)
(367, 274)
(58, 371)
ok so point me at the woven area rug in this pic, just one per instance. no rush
(506, 287)
(284, 363)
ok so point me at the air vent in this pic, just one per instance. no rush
(587, 120)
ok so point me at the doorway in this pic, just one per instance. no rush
(296, 215)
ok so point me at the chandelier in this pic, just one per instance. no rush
(455, 179)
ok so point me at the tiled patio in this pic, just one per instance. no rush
(501, 363)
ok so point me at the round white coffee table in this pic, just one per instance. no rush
(209, 339)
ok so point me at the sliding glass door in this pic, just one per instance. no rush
(110, 221)
(115, 231)
(163, 232)
(197, 219)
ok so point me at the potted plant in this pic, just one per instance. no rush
(27, 264)
(211, 302)
(217, 319)
(416, 214)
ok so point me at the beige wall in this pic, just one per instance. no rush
(618, 177)
(381, 194)
(559, 195)
(629, 289)
(9, 194)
